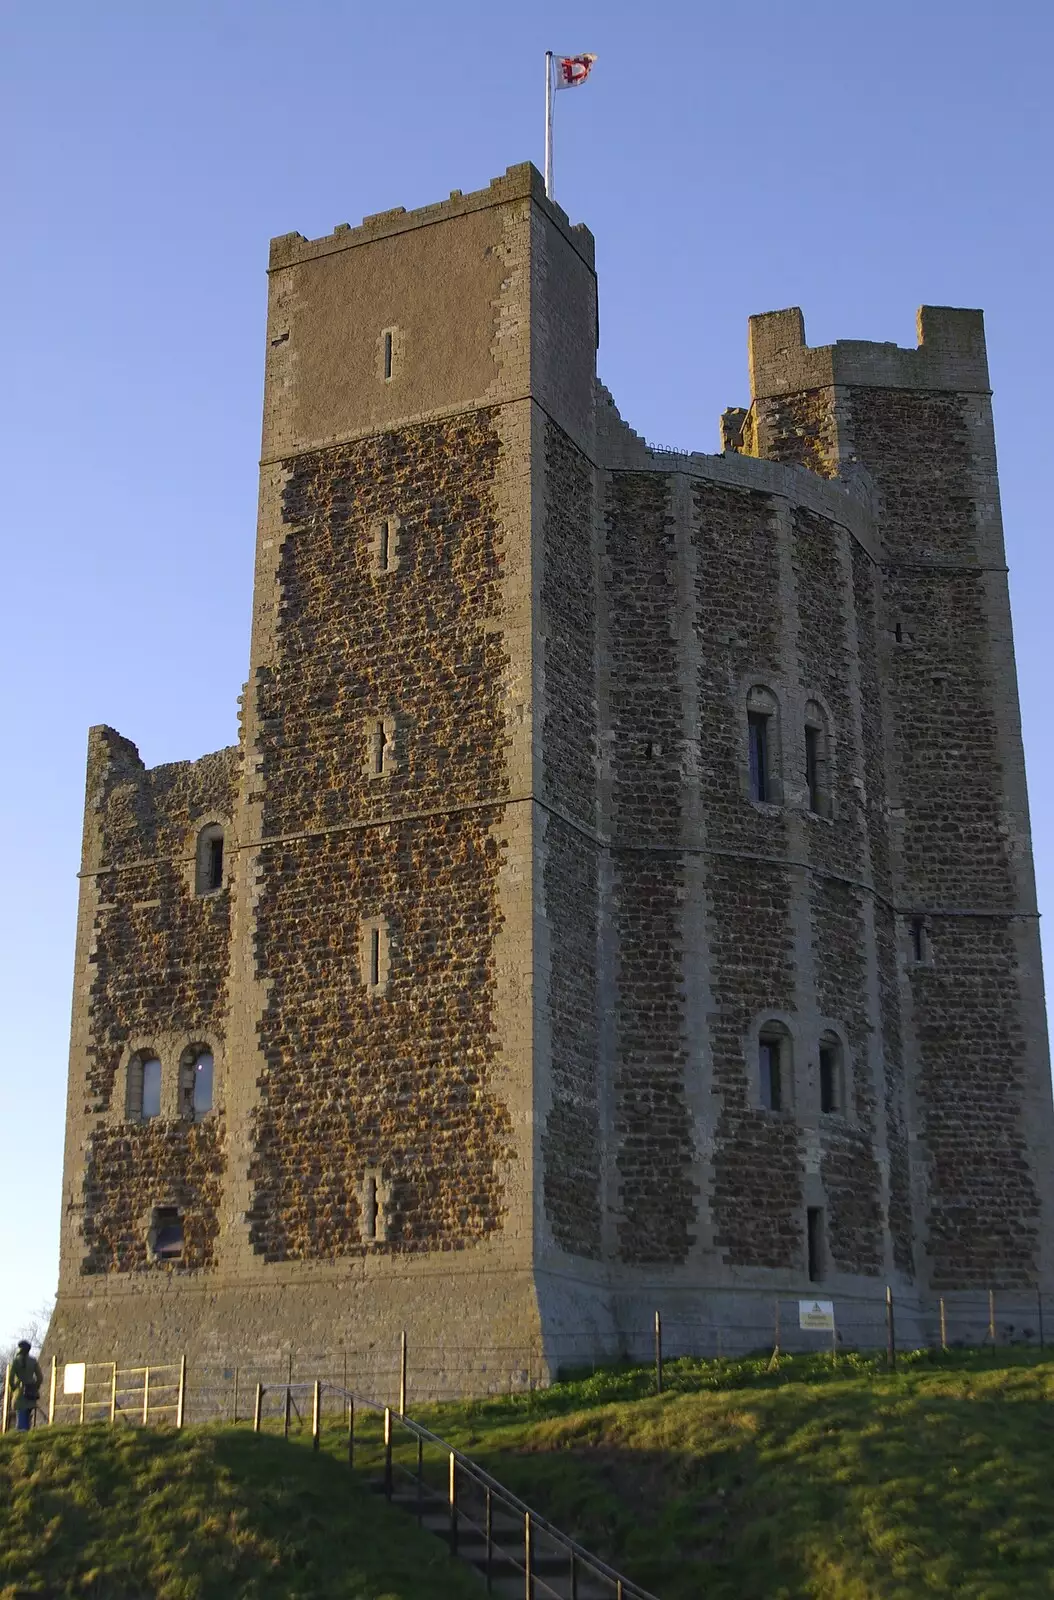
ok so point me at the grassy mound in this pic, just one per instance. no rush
(156, 1515)
(841, 1483)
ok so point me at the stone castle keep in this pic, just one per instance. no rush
(621, 892)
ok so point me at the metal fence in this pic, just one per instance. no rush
(393, 1371)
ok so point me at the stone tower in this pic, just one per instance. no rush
(621, 892)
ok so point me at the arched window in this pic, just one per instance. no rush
(817, 759)
(208, 873)
(775, 1083)
(143, 1092)
(195, 1083)
(763, 745)
(832, 1075)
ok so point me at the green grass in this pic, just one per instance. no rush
(212, 1512)
(840, 1483)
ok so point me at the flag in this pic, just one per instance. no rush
(573, 70)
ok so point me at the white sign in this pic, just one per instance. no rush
(73, 1377)
(818, 1315)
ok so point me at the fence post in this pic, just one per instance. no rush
(452, 1495)
(776, 1344)
(316, 1414)
(181, 1397)
(402, 1373)
(991, 1315)
(345, 1382)
(658, 1352)
(113, 1395)
(235, 1394)
(1039, 1308)
(891, 1336)
(528, 1558)
(351, 1431)
(84, 1390)
(574, 1577)
(51, 1397)
(7, 1402)
(944, 1327)
(288, 1409)
(258, 1407)
(387, 1452)
(146, 1397)
(488, 1528)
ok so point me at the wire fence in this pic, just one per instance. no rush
(397, 1371)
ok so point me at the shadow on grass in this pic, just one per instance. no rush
(133, 1514)
(839, 1493)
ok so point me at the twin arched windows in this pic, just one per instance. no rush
(764, 775)
(775, 1070)
(144, 1085)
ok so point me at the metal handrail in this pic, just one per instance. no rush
(625, 1588)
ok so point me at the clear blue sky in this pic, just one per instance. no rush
(853, 159)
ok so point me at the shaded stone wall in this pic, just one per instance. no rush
(392, 1084)
(571, 1138)
(654, 1149)
(983, 1208)
(159, 971)
(751, 946)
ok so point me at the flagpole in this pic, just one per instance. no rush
(549, 124)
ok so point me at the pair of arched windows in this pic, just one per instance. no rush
(776, 1071)
(764, 774)
(144, 1085)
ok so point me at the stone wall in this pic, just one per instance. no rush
(159, 971)
(387, 1083)
(654, 1148)
(571, 1138)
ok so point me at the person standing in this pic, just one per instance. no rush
(24, 1386)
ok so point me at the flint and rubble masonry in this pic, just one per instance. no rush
(501, 923)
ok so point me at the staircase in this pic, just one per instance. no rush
(516, 1552)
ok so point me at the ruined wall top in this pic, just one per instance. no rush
(950, 356)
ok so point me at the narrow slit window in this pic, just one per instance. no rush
(815, 1243)
(817, 760)
(771, 1072)
(384, 548)
(830, 1086)
(919, 942)
(758, 742)
(208, 867)
(372, 1208)
(375, 957)
(388, 355)
(812, 767)
(380, 741)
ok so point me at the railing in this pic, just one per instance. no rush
(481, 1520)
(102, 1391)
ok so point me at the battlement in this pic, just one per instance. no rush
(950, 356)
(521, 182)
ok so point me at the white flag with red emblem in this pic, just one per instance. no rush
(573, 70)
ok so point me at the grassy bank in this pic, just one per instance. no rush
(738, 1483)
(209, 1514)
(841, 1483)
